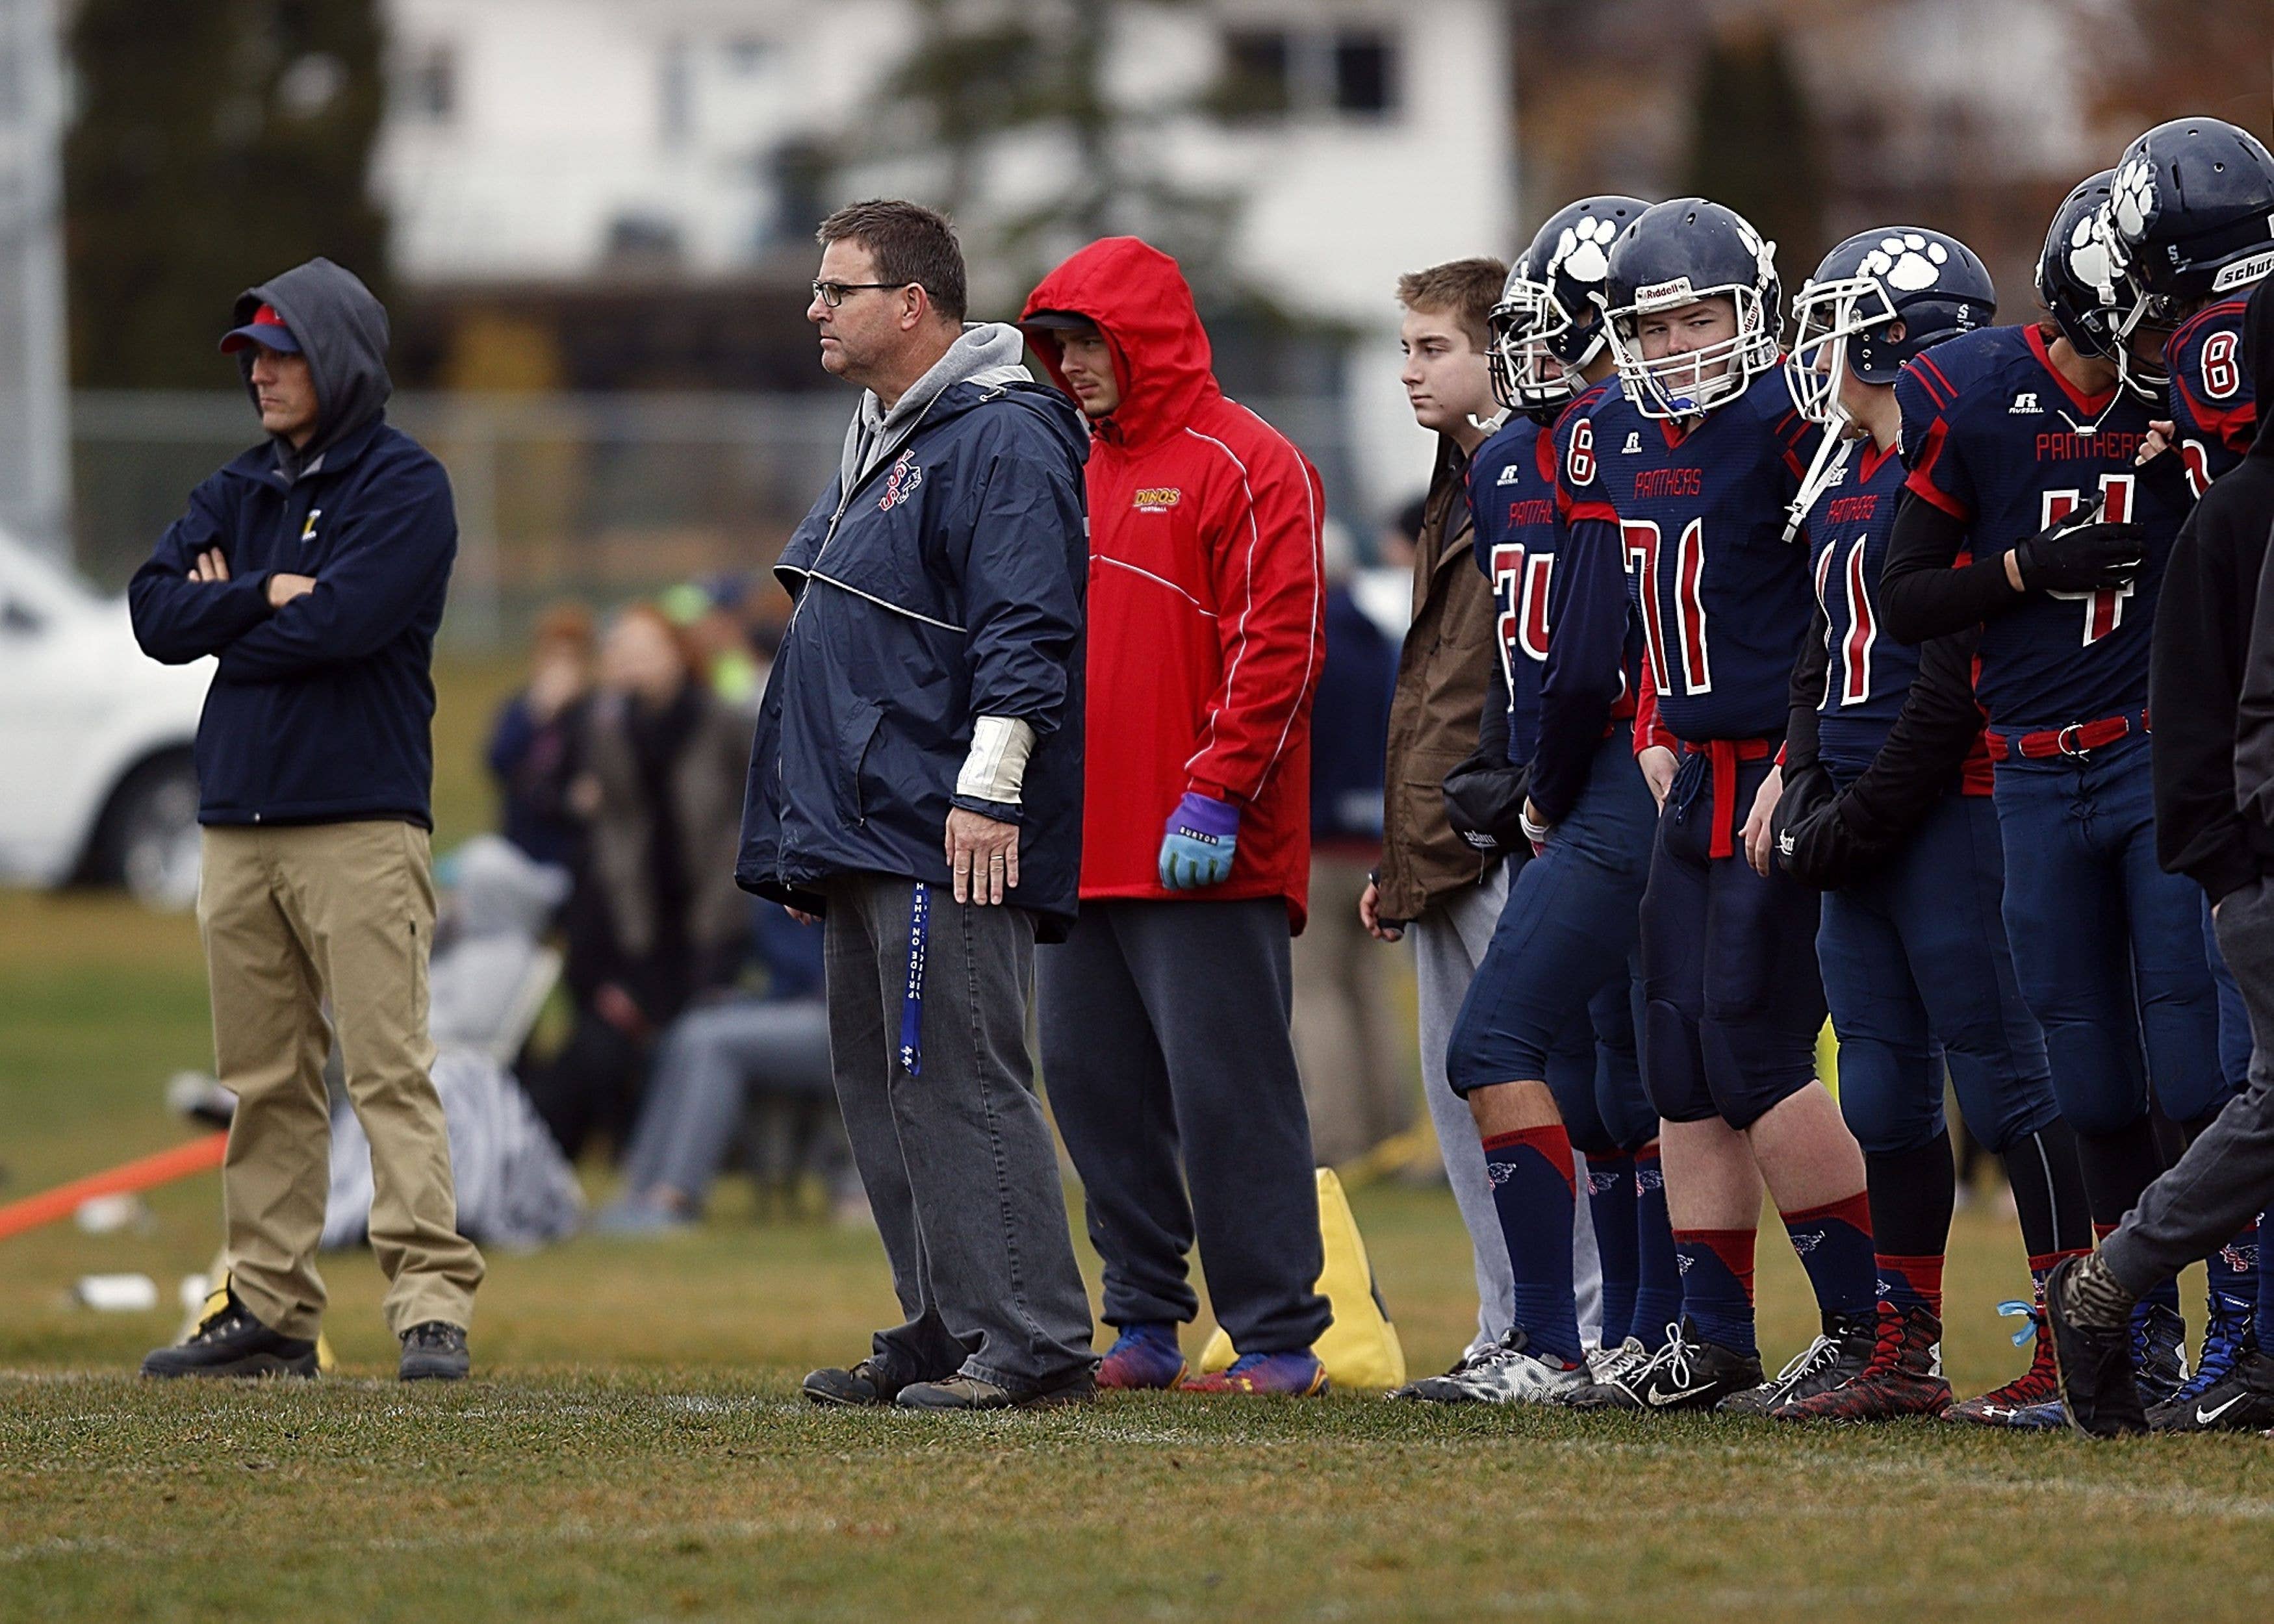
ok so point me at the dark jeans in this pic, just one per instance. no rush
(957, 1160)
(2227, 1178)
(1165, 1039)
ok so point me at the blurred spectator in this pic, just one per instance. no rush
(703, 615)
(1399, 540)
(657, 918)
(718, 1060)
(1347, 1034)
(535, 750)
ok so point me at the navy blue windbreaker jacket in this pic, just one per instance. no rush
(322, 712)
(945, 585)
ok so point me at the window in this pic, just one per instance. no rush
(1365, 70)
(1277, 73)
(1255, 82)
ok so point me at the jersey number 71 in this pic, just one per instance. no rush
(2104, 610)
(1641, 537)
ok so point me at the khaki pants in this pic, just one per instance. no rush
(291, 916)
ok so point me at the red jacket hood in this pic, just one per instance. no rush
(1141, 302)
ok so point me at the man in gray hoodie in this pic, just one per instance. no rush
(916, 776)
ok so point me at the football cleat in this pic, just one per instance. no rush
(1901, 1378)
(2228, 1340)
(2241, 1401)
(1834, 1358)
(2023, 1402)
(2096, 1366)
(1685, 1374)
(2159, 1353)
(1507, 1373)
(1609, 1364)
(1415, 1390)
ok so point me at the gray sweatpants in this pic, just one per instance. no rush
(1449, 943)
(957, 1160)
(1165, 1040)
(2227, 1178)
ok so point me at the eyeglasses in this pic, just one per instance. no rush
(832, 293)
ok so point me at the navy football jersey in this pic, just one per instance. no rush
(2214, 405)
(1995, 437)
(1512, 498)
(1722, 596)
(1868, 674)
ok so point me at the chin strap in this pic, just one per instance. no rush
(1831, 460)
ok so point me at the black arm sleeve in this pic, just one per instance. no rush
(1921, 596)
(1809, 670)
(1931, 739)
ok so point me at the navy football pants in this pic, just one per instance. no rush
(2108, 948)
(1917, 972)
(1554, 1000)
(1729, 965)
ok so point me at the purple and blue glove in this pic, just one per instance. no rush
(1197, 847)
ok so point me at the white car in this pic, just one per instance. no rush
(97, 785)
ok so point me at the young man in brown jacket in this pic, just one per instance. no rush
(1431, 882)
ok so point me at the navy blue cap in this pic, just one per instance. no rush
(266, 328)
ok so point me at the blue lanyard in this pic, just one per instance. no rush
(912, 998)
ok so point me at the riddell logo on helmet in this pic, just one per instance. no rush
(1658, 295)
(1158, 499)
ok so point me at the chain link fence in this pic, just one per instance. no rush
(595, 497)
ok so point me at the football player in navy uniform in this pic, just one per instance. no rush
(2192, 214)
(1695, 461)
(1902, 837)
(2026, 513)
(1544, 1049)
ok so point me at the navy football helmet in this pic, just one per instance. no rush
(1677, 253)
(1844, 315)
(1934, 284)
(1548, 327)
(2191, 216)
(2091, 303)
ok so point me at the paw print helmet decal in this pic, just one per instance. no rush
(1547, 327)
(1844, 314)
(1845, 320)
(1680, 254)
(2091, 303)
(2191, 218)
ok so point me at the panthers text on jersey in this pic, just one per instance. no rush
(2214, 402)
(1722, 596)
(1997, 438)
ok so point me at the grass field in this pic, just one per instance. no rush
(634, 1445)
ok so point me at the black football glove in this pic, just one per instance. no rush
(1484, 801)
(2080, 553)
(1814, 844)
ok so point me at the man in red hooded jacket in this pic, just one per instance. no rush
(1164, 1013)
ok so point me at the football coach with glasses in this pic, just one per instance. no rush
(916, 778)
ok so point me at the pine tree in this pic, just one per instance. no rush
(1753, 148)
(217, 143)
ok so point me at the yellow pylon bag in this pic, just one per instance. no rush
(1361, 1348)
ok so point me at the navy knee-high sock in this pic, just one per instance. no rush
(1611, 1205)
(1834, 1244)
(1533, 1191)
(1658, 1272)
